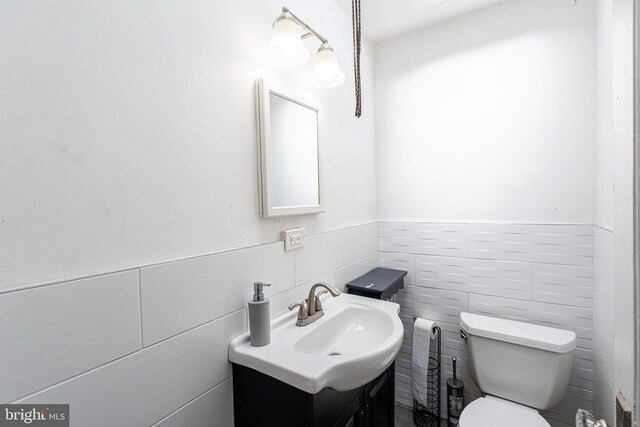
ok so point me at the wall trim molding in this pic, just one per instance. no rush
(62, 280)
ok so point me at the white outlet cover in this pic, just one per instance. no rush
(293, 239)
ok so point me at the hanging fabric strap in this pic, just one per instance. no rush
(357, 43)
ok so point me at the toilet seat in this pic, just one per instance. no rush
(494, 412)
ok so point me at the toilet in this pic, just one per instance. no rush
(521, 368)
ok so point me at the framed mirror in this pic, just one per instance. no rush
(289, 153)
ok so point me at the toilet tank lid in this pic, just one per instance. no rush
(527, 334)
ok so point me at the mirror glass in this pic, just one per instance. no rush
(294, 148)
(290, 161)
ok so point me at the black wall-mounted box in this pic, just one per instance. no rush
(379, 283)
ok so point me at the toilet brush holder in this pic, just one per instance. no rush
(429, 415)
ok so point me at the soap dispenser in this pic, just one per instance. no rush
(259, 318)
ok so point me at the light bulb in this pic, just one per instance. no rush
(286, 49)
(326, 72)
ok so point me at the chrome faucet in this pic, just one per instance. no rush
(313, 309)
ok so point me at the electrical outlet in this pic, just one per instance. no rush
(293, 239)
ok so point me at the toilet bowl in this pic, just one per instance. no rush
(520, 368)
(491, 411)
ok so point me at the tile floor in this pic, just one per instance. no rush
(404, 417)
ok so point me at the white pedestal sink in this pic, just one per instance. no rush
(354, 342)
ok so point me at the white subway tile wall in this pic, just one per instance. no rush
(603, 331)
(552, 244)
(216, 404)
(201, 289)
(426, 239)
(603, 252)
(541, 274)
(481, 276)
(563, 284)
(149, 346)
(53, 333)
(141, 389)
(326, 252)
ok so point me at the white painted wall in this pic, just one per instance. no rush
(383, 19)
(127, 132)
(490, 117)
(478, 122)
(128, 138)
(614, 336)
(604, 114)
(603, 280)
(623, 196)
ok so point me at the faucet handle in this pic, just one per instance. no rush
(302, 311)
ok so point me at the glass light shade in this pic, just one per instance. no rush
(286, 49)
(326, 73)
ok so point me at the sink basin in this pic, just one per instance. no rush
(352, 330)
(354, 342)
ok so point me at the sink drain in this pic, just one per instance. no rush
(335, 354)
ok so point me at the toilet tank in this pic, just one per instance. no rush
(517, 361)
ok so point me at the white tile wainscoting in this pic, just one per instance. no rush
(539, 273)
(603, 330)
(148, 346)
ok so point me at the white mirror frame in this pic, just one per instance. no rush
(265, 161)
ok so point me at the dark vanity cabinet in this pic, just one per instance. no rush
(262, 401)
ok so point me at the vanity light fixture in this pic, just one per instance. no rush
(287, 51)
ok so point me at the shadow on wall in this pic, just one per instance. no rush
(494, 25)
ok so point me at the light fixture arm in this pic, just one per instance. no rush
(310, 31)
(287, 50)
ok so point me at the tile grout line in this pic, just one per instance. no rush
(190, 402)
(487, 259)
(501, 297)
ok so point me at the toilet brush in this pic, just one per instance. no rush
(455, 397)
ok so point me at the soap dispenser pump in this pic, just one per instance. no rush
(259, 317)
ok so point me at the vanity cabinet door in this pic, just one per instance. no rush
(330, 408)
(262, 401)
(379, 400)
(354, 415)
